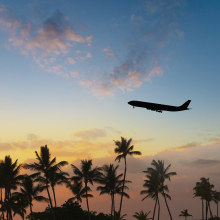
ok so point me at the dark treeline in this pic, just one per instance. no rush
(47, 174)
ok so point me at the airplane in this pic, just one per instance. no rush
(160, 107)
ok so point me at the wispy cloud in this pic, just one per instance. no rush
(90, 134)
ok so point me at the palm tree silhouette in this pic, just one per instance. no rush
(87, 174)
(141, 215)
(203, 189)
(163, 175)
(155, 187)
(216, 195)
(117, 216)
(185, 213)
(123, 149)
(112, 183)
(10, 178)
(78, 190)
(57, 177)
(30, 192)
(18, 206)
(46, 166)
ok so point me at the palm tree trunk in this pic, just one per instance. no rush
(202, 210)
(54, 196)
(114, 204)
(87, 200)
(111, 204)
(10, 207)
(167, 205)
(122, 189)
(50, 203)
(158, 209)
(210, 209)
(31, 211)
(2, 206)
(155, 206)
(206, 209)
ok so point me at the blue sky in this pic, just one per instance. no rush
(69, 68)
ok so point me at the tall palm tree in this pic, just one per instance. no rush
(163, 175)
(10, 178)
(112, 183)
(78, 190)
(185, 213)
(45, 166)
(30, 192)
(87, 175)
(141, 215)
(123, 149)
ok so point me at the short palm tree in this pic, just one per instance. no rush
(203, 189)
(216, 195)
(87, 175)
(78, 190)
(30, 192)
(112, 183)
(45, 166)
(141, 215)
(154, 187)
(117, 216)
(10, 178)
(185, 213)
(123, 149)
(163, 175)
(19, 206)
(57, 178)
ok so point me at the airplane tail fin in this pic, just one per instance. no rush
(186, 104)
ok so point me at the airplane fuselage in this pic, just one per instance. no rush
(159, 107)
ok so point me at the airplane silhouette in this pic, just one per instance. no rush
(160, 107)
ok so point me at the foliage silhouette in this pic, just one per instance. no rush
(185, 213)
(123, 149)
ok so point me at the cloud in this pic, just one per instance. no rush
(52, 38)
(143, 140)
(74, 74)
(89, 55)
(71, 60)
(90, 134)
(184, 147)
(113, 130)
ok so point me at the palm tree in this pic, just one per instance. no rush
(18, 206)
(10, 178)
(87, 174)
(117, 216)
(141, 215)
(123, 149)
(216, 196)
(154, 187)
(185, 213)
(78, 190)
(112, 183)
(30, 192)
(57, 178)
(204, 190)
(163, 175)
(46, 166)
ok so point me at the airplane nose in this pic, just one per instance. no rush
(129, 102)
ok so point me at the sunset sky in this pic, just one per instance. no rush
(68, 69)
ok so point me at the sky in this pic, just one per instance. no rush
(69, 68)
